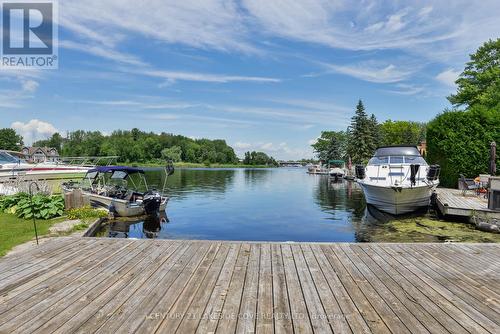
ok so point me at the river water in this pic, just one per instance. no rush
(280, 204)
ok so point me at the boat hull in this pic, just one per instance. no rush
(121, 207)
(397, 200)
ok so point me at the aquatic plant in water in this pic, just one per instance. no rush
(431, 230)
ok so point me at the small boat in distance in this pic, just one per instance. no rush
(122, 190)
(317, 169)
(337, 169)
(398, 180)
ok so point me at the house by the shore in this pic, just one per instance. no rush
(40, 154)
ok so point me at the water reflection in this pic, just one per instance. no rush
(259, 205)
(149, 227)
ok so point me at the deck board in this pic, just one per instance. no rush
(454, 202)
(86, 285)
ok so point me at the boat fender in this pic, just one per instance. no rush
(413, 173)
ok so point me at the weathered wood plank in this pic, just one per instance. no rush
(230, 312)
(282, 314)
(191, 313)
(82, 285)
(375, 298)
(172, 310)
(317, 314)
(90, 316)
(446, 296)
(264, 322)
(248, 308)
(130, 315)
(461, 293)
(372, 318)
(349, 310)
(300, 316)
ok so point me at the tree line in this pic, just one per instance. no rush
(259, 158)
(138, 146)
(364, 135)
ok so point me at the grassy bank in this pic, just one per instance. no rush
(197, 165)
(15, 231)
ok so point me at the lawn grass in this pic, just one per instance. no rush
(15, 231)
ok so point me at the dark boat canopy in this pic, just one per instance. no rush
(110, 169)
(385, 151)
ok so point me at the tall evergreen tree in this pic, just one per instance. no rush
(360, 136)
(375, 132)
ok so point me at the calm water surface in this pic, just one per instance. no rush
(282, 204)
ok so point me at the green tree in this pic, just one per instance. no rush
(332, 145)
(258, 158)
(360, 147)
(375, 135)
(172, 153)
(10, 140)
(402, 133)
(479, 83)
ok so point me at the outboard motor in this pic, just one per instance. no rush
(413, 173)
(360, 172)
(151, 202)
(433, 172)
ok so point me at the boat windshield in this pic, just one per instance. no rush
(399, 160)
(7, 158)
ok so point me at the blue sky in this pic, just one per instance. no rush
(264, 75)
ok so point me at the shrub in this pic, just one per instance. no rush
(44, 207)
(459, 141)
(85, 212)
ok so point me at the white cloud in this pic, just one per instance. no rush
(448, 77)
(440, 30)
(242, 146)
(34, 130)
(210, 24)
(203, 77)
(312, 141)
(104, 52)
(372, 72)
(29, 86)
(407, 89)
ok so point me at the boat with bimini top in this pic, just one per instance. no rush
(122, 190)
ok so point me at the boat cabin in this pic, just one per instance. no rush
(397, 155)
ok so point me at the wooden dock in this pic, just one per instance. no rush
(87, 285)
(453, 202)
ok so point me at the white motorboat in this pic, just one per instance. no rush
(121, 190)
(336, 173)
(12, 167)
(398, 180)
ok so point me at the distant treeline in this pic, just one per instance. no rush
(139, 146)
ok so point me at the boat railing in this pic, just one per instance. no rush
(89, 161)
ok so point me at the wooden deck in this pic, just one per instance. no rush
(86, 285)
(453, 202)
